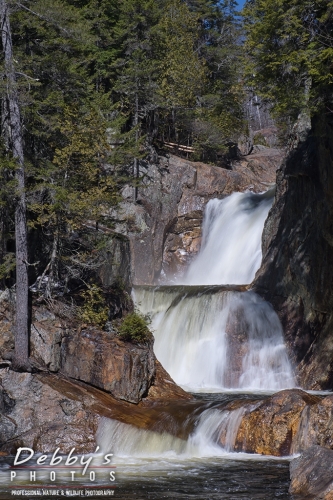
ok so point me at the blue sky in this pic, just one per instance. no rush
(241, 3)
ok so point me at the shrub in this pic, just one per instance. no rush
(134, 328)
(94, 310)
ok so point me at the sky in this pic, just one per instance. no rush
(241, 3)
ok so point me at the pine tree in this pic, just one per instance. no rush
(290, 53)
(55, 133)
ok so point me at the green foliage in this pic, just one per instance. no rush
(259, 139)
(77, 184)
(7, 265)
(289, 48)
(94, 310)
(183, 72)
(134, 328)
(99, 82)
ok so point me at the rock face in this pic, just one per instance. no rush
(286, 423)
(296, 275)
(312, 474)
(99, 358)
(316, 426)
(39, 417)
(124, 369)
(270, 427)
(164, 225)
(44, 412)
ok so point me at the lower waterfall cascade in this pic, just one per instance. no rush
(194, 339)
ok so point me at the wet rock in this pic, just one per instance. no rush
(164, 388)
(99, 358)
(271, 427)
(316, 426)
(297, 269)
(50, 411)
(312, 474)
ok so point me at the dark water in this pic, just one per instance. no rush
(211, 480)
(202, 480)
(230, 477)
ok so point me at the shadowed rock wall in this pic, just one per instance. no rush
(296, 275)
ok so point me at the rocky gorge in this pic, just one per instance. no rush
(84, 374)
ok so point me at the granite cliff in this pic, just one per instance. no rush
(296, 275)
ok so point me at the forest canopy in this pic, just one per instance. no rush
(289, 53)
(91, 87)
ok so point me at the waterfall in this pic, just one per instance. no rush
(231, 240)
(210, 337)
(214, 435)
(213, 339)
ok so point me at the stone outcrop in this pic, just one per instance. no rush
(124, 369)
(296, 275)
(283, 424)
(99, 358)
(270, 427)
(316, 425)
(47, 411)
(312, 474)
(43, 418)
(164, 225)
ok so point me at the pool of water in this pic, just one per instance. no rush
(206, 479)
(163, 470)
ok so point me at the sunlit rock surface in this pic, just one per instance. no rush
(102, 360)
(164, 225)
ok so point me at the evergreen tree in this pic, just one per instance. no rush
(54, 128)
(290, 53)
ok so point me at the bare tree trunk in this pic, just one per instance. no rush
(21, 356)
(136, 123)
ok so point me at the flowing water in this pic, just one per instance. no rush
(212, 339)
(231, 240)
(154, 465)
(225, 344)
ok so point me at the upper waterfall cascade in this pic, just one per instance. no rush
(231, 240)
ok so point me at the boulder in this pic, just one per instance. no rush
(312, 474)
(99, 358)
(270, 427)
(316, 426)
(43, 418)
(47, 411)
